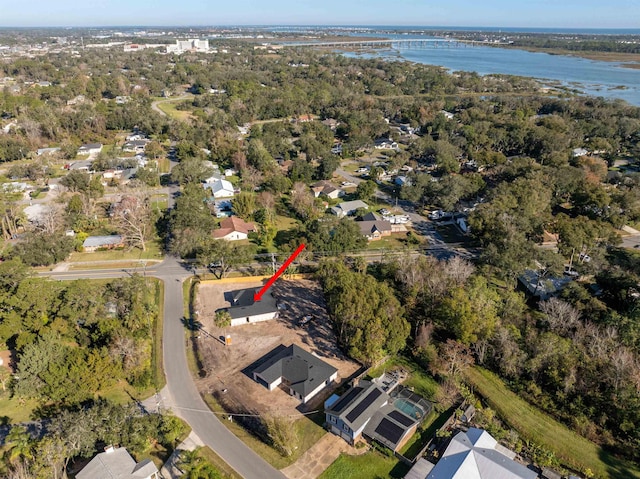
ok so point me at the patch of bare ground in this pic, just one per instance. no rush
(226, 367)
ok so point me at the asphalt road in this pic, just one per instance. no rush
(184, 398)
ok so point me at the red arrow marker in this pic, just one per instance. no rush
(258, 296)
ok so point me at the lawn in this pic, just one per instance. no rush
(395, 241)
(421, 382)
(169, 107)
(450, 234)
(372, 464)
(16, 410)
(534, 425)
(153, 252)
(163, 165)
(227, 471)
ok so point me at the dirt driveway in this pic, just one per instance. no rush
(225, 366)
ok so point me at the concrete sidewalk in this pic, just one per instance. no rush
(170, 469)
(320, 456)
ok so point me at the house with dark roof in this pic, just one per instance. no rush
(116, 463)
(244, 309)
(234, 229)
(475, 454)
(367, 410)
(299, 371)
(135, 146)
(324, 188)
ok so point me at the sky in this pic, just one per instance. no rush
(496, 13)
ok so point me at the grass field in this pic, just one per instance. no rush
(534, 425)
(156, 360)
(370, 465)
(421, 382)
(169, 108)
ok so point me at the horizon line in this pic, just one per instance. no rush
(317, 25)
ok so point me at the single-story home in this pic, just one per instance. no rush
(222, 208)
(375, 230)
(234, 229)
(368, 410)
(348, 208)
(116, 462)
(403, 181)
(303, 373)
(90, 148)
(82, 165)
(47, 151)
(385, 144)
(135, 146)
(475, 454)
(324, 188)
(245, 310)
(93, 243)
(220, 188)
(542, 287)
(577, 152)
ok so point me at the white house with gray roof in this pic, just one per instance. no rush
(304, 374)
(117, 463)
(348, 208)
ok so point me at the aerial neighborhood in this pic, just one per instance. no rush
(271, 252)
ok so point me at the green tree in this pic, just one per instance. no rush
(191, 170)
(244, 205)
(365, 190)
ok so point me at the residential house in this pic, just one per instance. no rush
(234, 229)
(331, 123)
(135, 146)
(374, 227)
(245, 309)
(337, 149)
(94, 243)
(117, 463)
(403, 181)
(46, 151)
(222, 208)
(348, 208)
(448, 115)
(303, 373)
(385, 144)
(541, 287)
(83, 165)
(577, 152)
(90, 149)
(220, 188)
(324, 188)
(475, 454)
(368, 410)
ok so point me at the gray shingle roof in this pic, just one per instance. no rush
(117, 464)
(362, 406)
(304, 371)
(98, 241)
(243, 305)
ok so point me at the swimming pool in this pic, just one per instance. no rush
(409, 408)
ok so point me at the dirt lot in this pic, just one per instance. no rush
(225, 365)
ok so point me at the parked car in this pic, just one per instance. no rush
(305, 320)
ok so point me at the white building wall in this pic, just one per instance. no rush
(320, 388)
(254, 319)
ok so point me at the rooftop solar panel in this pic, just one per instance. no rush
(401, 418)
(344, 401)
(390, 431)
(363, 405)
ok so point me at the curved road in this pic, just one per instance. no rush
(184, 398)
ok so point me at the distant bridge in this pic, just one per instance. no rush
(395, 43)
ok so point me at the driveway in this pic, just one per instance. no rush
(319, 457)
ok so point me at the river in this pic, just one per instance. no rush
(598, 78)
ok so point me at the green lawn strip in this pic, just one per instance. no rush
(396, 241)
(372, 464)
(210, 456)
(169, 107)
(156, 358)
(163, 165)
(534, 425)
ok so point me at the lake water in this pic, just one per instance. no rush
(606, 79)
